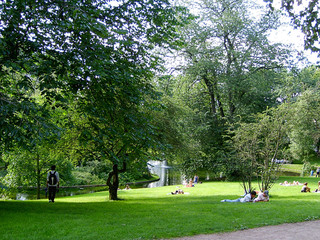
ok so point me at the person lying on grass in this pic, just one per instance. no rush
(247, 198)
(286, 183)
(178, 191)
(262, 197)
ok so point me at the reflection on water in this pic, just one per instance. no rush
(22, 196)
(168, 175)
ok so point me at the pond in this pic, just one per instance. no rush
(168, 175)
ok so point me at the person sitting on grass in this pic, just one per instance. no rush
(262, 197)
(247, 198)
(190, 184)
(305, 187)
(318, 189)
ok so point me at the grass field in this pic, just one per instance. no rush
(292, 168)
(154, 214)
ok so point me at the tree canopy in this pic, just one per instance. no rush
(93, 55)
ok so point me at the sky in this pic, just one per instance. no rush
(286, 34)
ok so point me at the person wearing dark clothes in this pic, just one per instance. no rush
(52, 183)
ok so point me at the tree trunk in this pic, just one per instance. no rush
(38, 176)
(211, 93)
(219, 104)
(114, 184)
(113, 193)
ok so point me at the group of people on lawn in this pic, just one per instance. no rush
(251, 197)
(305, 187)
(264, 196)
(191, 183)
(286, 183)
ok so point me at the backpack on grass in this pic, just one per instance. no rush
(53, 178)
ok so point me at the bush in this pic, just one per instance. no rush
(306, 169)
(82, 177)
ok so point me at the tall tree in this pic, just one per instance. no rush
(230, 70)
(228, 50)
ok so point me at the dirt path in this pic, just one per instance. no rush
(292, 231)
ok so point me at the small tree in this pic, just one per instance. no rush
(246, 148)
(273, 125)
(257, 145)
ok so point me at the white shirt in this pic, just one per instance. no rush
(261, 198)
(246, 198)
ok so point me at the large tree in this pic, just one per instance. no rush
(99, 54)
(228, 50)
(230, 69)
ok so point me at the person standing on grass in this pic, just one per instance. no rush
(52, 183)
(196, 179)
(247, 198)
(262, 197)
(318, 172)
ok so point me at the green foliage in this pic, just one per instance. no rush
(258, 145)
(83, 177)
(304, 127)
(229, 71)
(306, 169)
(227, 52)
(89, 59)
(78, 88)
(22, 168)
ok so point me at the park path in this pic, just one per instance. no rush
(287, 231)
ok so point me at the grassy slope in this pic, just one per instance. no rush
(152, 213)
(292, 167)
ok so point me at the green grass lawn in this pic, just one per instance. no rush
(153, 214)
(292, 167)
